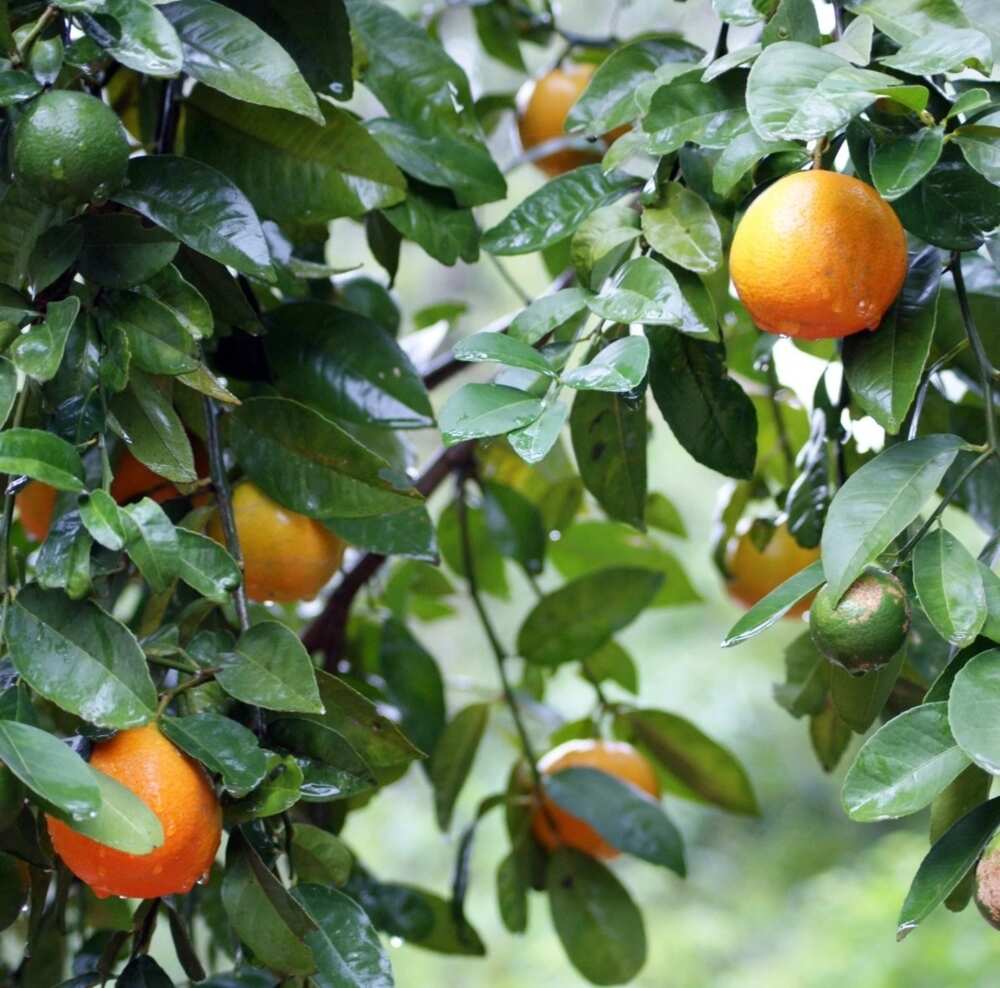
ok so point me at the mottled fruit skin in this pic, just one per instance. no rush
(613, 757)
(867, 627)
(753, 573)
(987, 885)
(36, 504)
(69, 148)
(178, 791)
(544, 117)
(818, 255)
(286, 556)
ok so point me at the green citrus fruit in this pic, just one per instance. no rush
(69, 148)
(867, 627)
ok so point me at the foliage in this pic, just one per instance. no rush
(198, 304)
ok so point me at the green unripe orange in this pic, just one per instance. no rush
(70, 148)
(864, 629)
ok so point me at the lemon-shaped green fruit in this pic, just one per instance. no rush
(866, 627)
(69, 148)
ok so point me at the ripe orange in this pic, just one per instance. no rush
(178, 791)
(286, 556)
(613, 757)
(544, 116)
(754, 574)
(818, 255)
(35, 506)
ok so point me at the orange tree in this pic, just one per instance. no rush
(168, 284)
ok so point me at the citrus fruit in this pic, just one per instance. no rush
(35, 505)
(818, 255)
(754, 573)
(544, 117)
(133, 480)
(286, 556)
(987, 884)
(867, 627)
(178, 791)
(69, 148)
(612, 757)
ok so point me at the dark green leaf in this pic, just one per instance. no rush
(684, 230)
(319, 856)
(776, 604)
(119, 250)
(222, 745)
(900, 163)
(41, 456)
(858, 700)
(403, 533)
(39, 351)
(446, 233)
(453, 757)
(206, 566)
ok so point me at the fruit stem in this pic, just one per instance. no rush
(8, 500)
(225, 505)
(819, 149)
(203, 677)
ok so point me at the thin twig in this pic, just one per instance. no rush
(779, 420)
(918, 404)
(166, 125)
(508, 280)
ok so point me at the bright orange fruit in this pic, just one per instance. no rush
(753, 573)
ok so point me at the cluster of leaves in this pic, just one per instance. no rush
(199, 302)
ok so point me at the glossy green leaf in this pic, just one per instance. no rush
(39, 352)
(970, 709)
(598, 924)
(119, 250)
(123, 821)
(991, 585)
(950, 587)
(477, 410)
(553, 212)
(445, 233)
(158, 343)
(80, 658)
(903, 766)
(502, 349)
(776, 604)
(980, 143)
(878, 501)
(535, 441)
(200, 207)
(620, 366)
(136, 34)
(945, 50)
(683, 229)
(546, 313)
(8, 388)
(17, 86)
(269, 667)
(223, 746)
(859, 700)
(742, 155)
(645, 291)
(453, 756)
(515, 525)
(206, 566)
(572, 622)
(403, 533)
(326, 766)
(228, 52)
(710, 114)
(900, 163)
(152, 545)
(319, 857)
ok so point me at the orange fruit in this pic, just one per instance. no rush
(177, 789)
(544, 117)
(612, 757)
(133, 480)
(818, 255)
(753, 573)
(35, 506)
(286, 556)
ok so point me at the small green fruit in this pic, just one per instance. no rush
(70, 148)
(867, 627)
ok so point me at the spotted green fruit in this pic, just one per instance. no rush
(987, 884)
(867, 627)
(69, 148)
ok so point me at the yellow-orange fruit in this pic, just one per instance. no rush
(177, 789)
(286, 556)
(818, 255)
(612, 757)
(35, 506)
(753, 573)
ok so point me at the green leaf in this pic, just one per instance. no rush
(553, 212)
(453, 756)
(770, 609)
(157, 342)
(620, 89)
(900, 163)
(118, 250)
(319, 857)
(742, 154)
(598, 924)
(24, 220)
(903, 766)
(206, 566)
(53, 253)
(620, 366)
(710, 114)
(263, 914)
(225, 50)
(291, 169)
(8, 388)
(572, 622)
(502, 349)
(445, 233)
(950, 587)
(17, 86)
(477, 410)
(547, 313)
(798, 92)
(587, 546)
(970, 705)
(51, 770)
(123, 821)
(878, 501)
(884, 368)
(968, 102)
(855, 44)
(829, 736)
(136, 34)
(947, 863)
(623, 815)
(858, 700)
(80, 658)
(345, 365)
(534, 442)
(645, 291)
(325, 766)
(684, 230)
(270, 668)
(602, 241)
(41, 456)
(707, 411)
(39, 352)
(691, 764)
(496, 30)
(200, 207)
(793, 20)
(347, 950)
(311, 465)
(731, 60)
(152, 544)
(403, 533)
(451, 161)
(805, 688)
(991, 584)
(946, 50)
(515, 525)
(64, 559)
(662, 513)
(223, 746)
(142, 972)
(282, 788)
(980, 143)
